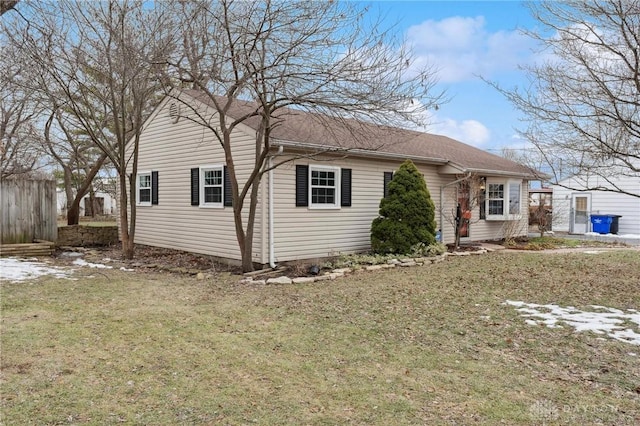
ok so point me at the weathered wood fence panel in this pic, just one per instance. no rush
(27, 211)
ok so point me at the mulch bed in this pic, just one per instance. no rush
(147, 258)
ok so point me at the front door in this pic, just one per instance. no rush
(579, 217)
(463, 203)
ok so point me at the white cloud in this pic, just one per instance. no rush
(471, 132)
(462, 48)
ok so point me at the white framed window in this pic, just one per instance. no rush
(212, 186)
(495, 199)
(143, 189)
(324, 187)
(514, 197)
(503, 200)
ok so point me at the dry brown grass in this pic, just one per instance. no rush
(425, 345)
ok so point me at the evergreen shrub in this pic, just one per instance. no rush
(406, 215)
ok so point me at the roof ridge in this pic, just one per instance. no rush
(308, 128)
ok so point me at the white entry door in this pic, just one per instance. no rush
(579, 217)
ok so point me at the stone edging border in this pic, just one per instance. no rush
(341, 272)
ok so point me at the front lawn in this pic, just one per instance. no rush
(424, 345)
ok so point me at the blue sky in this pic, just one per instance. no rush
(468, 39)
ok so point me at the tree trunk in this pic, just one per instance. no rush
(68, 190)
(247, 253)
(128, 243)
(73, 215)
(127, 247)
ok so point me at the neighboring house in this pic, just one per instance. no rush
(572, 208)
(540, 196)
(322, 201)
(105, 204)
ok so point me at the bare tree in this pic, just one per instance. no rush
(96, 57)
(322, 57)
(583, 105)
(19, 113)
(79, 159)
(463, 197)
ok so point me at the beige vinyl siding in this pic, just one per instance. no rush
(306, 233)
(481, 230)
(173, 149)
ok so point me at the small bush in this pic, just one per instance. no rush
(406, 216)
(421, 250)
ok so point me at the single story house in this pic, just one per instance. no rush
(572, 208)
(318, 204)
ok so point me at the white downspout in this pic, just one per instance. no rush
(442, 187)
(272, 252)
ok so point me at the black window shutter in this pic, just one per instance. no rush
(228, 195)
(345, 188)
(195, 186)
(154, 188)
(302, 186)
(387, 178)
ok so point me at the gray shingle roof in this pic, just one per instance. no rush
(312, 130)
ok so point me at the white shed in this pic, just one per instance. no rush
(572, 208)
(105, 204)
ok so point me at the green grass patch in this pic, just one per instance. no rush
(545, 243)
(423, 345)
(550, 243)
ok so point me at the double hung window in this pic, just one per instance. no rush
(211, 188)
(503, 199)
(143, 189)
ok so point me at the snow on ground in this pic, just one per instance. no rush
(614, 323)
(15, 270)
(597, 234)
(82, 262)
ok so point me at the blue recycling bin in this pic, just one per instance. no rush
(605, 223)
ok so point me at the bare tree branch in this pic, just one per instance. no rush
(320, 57)
(583, 104)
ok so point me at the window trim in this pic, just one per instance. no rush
(506, 200)
(337, 182)
(138, 188)
(519, 184)
(203, 203)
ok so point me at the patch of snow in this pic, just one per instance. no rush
(16, 270)
(71, 254)
(597, 234)
(592, 252)
(612, 322)
(82, 262)
(122, 268)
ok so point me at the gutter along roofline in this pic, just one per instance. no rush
(358, 152)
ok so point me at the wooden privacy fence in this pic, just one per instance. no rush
(27, 211)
